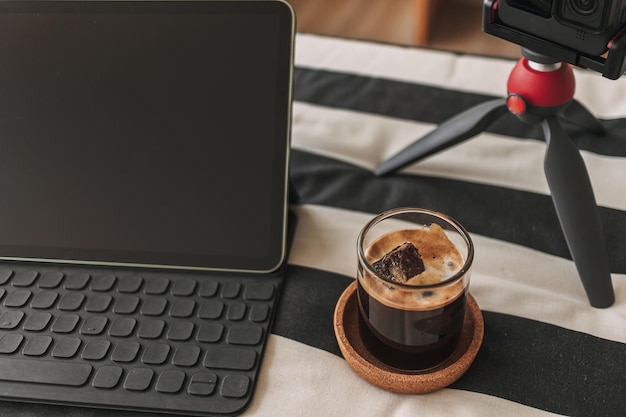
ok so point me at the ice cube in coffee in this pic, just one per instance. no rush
(400, 264)
(412, 287)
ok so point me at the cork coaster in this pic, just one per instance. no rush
(395, 380)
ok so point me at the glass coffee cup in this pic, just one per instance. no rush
(412, 285)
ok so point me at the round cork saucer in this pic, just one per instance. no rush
(395, 380)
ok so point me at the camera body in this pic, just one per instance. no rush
(587, 33)
(584, 25)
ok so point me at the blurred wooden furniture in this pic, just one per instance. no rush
(424, 11)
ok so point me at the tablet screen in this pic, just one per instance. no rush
(145, 133)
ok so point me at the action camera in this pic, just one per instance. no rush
(587, 33)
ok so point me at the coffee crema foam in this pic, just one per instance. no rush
(441, 261)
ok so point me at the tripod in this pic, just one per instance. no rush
(540, 91)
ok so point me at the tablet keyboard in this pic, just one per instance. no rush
(184, 343)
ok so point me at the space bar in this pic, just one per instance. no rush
(44, 372)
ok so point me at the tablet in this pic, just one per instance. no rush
(145, 133)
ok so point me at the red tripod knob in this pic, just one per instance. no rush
(539, 85)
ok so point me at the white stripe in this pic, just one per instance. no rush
(366, 140)
(506, 278)
(321, 384)
(605, 98)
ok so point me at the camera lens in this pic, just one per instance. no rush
(584, 7)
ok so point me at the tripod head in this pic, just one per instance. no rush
(539, 86)
(588, 34)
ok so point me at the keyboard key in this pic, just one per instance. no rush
(156, 286)
(37, 322)
(259, 313)
(98, 303)
(202, 383)
(186, 355)
(66, 348)
(93, 325)
(65, 323)
(154, 306)
(103, 282)
(245, 335)
(11, 319)
(37, 346)
(76, 281)
(138, 379)
(50, 280)
(231, 289)
(155, 354)
(17, 299)
(126, 304)
(259, 292)
(151, 329)
(180, 331)
(129, 284)
(182, 308)
(230, 358)
(170, 382)
(44, 300)
(184, 287)
(211, 309)
(44, 372)
(210, 332)
(24, 278)
(125, 352)
(107, 377)
(208, 288)
(122, 327)
(10, 342)
(71, 301)
(96, 350)
(236, 311)
(5, 274)
(235, 386)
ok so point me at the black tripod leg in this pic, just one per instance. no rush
(453, 131)
(576, 207)
(581, 116)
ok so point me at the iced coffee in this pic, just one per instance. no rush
(413, 279)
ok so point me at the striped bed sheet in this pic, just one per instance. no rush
(546, 351)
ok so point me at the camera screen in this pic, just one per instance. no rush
(538, 7)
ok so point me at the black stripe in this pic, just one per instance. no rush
(548, 367)
(431, 104)
(307, 306)
(529, 362)
(524, 218)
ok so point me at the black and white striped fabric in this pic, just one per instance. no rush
(545, 350)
